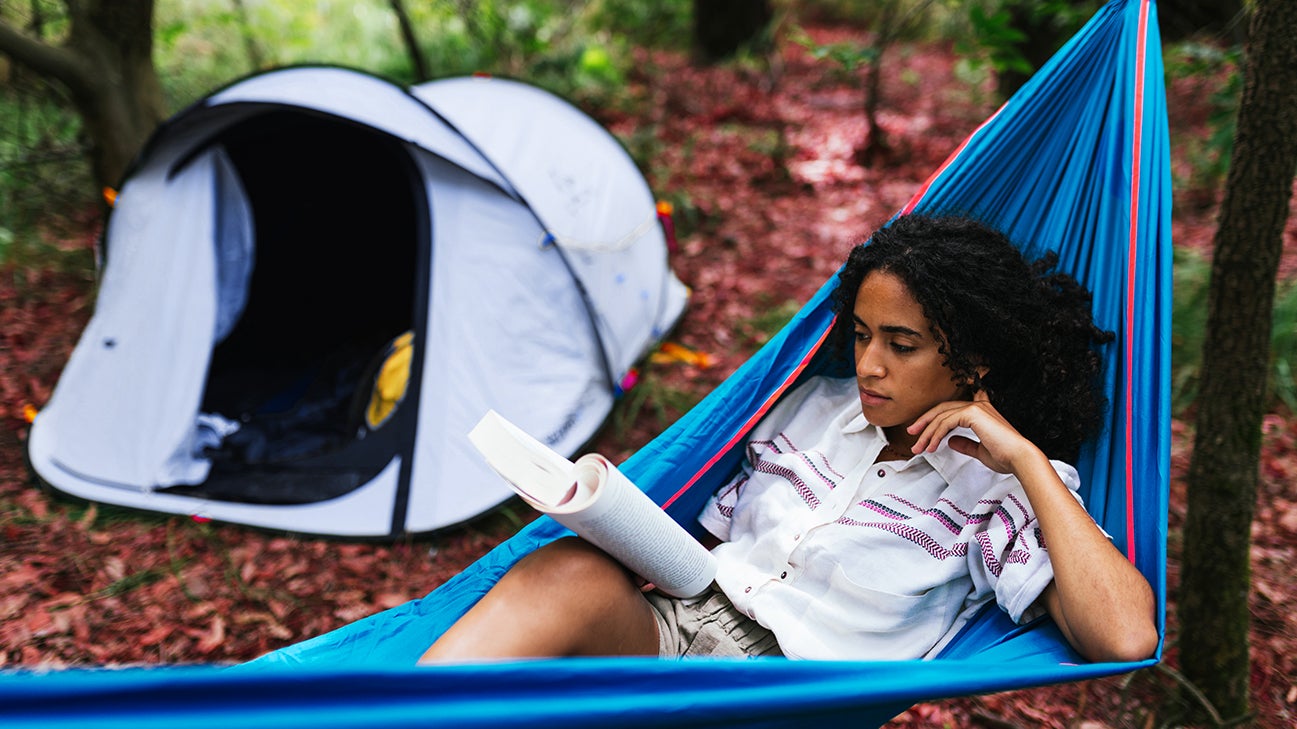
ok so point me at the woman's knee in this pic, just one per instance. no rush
(565, 598)
(571, 562)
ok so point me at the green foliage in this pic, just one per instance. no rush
(49, 15)
(580, 49)
(1283, 346)
(926, 19)
(889, 21)
(992, 36)
(845, 58)
(43, 170)
(201, 45)
(1191, 276)
(664, 24)
(1221, 70)
(994, 40)
(43, 165)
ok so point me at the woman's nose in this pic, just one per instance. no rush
(867, 362)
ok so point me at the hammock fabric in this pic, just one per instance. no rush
(1078, 162)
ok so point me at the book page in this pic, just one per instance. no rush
(626, 523)
(595, 500)
(540, 476)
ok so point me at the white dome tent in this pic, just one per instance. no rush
(282, 249)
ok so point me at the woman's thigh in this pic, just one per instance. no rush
(565, 598)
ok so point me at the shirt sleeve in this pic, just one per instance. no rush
(1009, 556)
(717, 516)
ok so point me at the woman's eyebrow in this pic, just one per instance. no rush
(898, 329)
(890, 328)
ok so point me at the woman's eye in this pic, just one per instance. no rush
(903, 349)
(862, 336)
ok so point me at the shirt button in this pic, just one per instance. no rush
(796, 537)
(882, 472)
(748, 589)
(783, 576)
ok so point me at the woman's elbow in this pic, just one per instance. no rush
(1133, 641)
(1144, 644)
(1133, 635)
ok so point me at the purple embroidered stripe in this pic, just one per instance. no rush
(876, 507)
(917, 536)
(989, 557)
(946, 520)
(832, 483)
(1018, 556)
(792, 478)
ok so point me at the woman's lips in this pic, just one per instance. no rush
(869, 397)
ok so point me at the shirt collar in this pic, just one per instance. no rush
(945, 460)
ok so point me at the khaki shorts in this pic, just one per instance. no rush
(708, 625)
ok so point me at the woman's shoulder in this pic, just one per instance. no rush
(819, 401)
(972, 478)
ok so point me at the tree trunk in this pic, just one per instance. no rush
(411, 41)
(875, 146)
(106, 64)
(891, 20)
(1223, 471)
(1181, 19)
(250, 46)
(722, 27)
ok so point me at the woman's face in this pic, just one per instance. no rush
(900, 371)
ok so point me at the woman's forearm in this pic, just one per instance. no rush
(1100, 601)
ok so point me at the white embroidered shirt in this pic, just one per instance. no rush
(845, 558)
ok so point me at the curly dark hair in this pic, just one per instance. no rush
(1030, 327)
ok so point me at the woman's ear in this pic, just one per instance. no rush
(974, 382)
(973, 385)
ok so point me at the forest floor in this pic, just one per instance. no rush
(759, 161)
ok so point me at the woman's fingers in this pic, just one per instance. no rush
(925, 425)
(967, 446)
(996, 438)
(933, 425)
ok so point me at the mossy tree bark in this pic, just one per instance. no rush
(1223, 471)
(106, 65)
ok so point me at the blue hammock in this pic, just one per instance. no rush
(1078, 162)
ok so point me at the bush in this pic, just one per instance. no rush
(45, 184)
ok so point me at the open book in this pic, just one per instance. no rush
(592, 498)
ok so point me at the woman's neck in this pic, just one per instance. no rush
(898, 445)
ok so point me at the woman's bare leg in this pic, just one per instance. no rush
(566, 598)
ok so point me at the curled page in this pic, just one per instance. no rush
(595, 500)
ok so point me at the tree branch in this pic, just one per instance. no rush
(42, 58)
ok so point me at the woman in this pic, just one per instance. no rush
(875, 515)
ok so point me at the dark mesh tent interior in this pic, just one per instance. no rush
(337, 216)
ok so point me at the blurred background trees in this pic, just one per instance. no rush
(83, 83)
(1224, 470)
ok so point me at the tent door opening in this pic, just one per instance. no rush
(337, 219)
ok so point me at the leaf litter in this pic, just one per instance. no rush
(768, 200)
